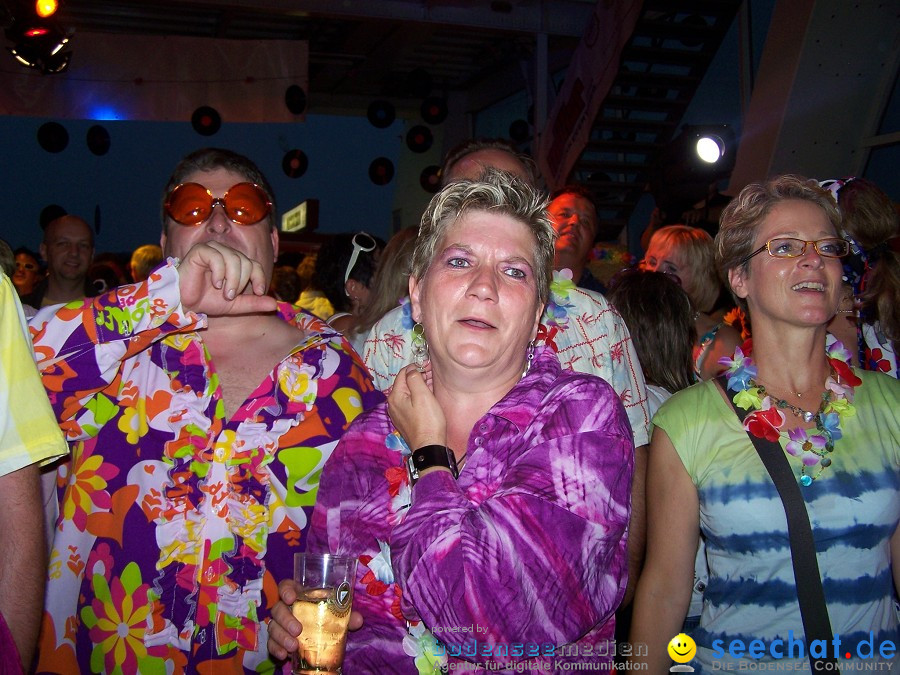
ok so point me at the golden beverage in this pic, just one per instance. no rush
(325, 615)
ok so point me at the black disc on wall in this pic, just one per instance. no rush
(53, 137)
(295, 99)
(295, 163)
(206, 120)
(434, 110)
(98, 141)
(381, 114)
(381, 171)
(419, 138)
(430, 179)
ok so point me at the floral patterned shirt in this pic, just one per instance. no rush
(520, 559)
(878, 350)
(587, 334)
(176, 523)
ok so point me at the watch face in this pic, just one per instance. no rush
(411, 470)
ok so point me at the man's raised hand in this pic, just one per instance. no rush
(217, 280)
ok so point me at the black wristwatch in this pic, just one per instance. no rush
(428, 456)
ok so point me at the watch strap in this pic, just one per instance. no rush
(428, 456)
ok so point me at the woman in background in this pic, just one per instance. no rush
(27, 273)
(345, 268)
(869, 321)
(389, 287)
(658, 314)
(687, 254)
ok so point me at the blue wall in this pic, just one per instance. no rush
(127, 182)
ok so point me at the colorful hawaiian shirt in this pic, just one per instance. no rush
(175, 523)
(587, 334)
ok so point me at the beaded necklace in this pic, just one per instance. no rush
(804, 415)
(812, 446)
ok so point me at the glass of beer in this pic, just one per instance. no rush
(325, 594)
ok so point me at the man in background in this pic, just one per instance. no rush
(143, 260)
(68, 248)
(575, 220)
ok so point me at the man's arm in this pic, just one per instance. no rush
(80, 349)
(23, 558)
(28, 436)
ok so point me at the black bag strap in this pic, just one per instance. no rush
(810, 595)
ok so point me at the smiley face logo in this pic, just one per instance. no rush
(682, 648)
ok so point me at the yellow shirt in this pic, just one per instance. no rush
(29, 432)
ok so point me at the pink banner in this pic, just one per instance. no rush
(161, 78)
(588, 80)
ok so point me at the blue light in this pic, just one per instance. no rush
(104, 113)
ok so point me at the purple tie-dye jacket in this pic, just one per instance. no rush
(521, 559)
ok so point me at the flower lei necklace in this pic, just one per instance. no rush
(812, 446)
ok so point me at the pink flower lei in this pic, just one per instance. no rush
(812, 446)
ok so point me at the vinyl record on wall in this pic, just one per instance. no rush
(206, 120)
(295, 99)
(50, 213)
(381, 171)
(430, 179)
(518, 131)
(419, 82)
(381, 114)
(419, 138)
(434, 109)
(53, 137)
(294, 163)
(98, 140)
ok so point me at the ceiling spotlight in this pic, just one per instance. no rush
(706, 147)
(45, 8)
(39, 45)
(710, 149)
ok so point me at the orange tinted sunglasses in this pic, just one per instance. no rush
(191, 204)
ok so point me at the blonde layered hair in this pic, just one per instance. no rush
(496, 192)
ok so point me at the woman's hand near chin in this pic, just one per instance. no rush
(415, 411)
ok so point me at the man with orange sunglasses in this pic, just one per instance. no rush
(200, 413)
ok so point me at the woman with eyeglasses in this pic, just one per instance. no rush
(345, 268)
(830, 434)
(488, 501)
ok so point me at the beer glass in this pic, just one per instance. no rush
(325, 594)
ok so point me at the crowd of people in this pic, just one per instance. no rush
(504, 441)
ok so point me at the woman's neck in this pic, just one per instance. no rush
(791, 361)
(465, 399)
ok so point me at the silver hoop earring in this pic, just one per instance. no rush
(419, 347)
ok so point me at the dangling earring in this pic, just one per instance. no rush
(419, 347)
(529, 357)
